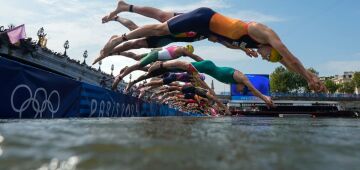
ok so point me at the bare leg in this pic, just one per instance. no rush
(125, 73)
(127, 23)
(155, 13)
(121, 7)
(136, 44)
(150, 12)
(132, 55)
(173, 64)
(142, 94)
(155, 83)
(144, 31)
(130, 45)
(141, 78)
(102, 54)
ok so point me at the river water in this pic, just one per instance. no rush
(180, 143)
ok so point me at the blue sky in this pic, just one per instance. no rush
(323, 34)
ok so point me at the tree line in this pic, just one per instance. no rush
(284, 81)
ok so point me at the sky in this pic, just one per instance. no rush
(323, 34)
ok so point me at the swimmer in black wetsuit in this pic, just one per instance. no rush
(226, 75)
(147, 42)
(233, 33)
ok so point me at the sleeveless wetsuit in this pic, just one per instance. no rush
(165, 54)
(222, 74)
(183, 77)
(196, 90)
(161, 41)
(207, 22)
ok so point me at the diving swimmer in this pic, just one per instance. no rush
(168, 53)
(233, 33)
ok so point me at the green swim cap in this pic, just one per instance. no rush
(190, 48)
(274, 56)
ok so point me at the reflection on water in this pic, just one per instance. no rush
(180, 143)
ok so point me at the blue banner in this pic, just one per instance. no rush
(28, 92)
(31, 93)
(260, 81)
(99, 102)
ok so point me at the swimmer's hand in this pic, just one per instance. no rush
(315, 84)
(251, 53)
(269, 102)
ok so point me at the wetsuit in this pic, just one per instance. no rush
(189, 96)
(183, 77)
(195, 90)
(165, 54)
(222, 74)
(207, 22)
(161, 41)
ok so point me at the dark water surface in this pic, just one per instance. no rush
(180, 143)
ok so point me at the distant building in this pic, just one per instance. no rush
(346, 77)
(339, 79)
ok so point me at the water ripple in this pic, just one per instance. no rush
(180, 143)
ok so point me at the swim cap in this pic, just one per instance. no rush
(213, 112)
(274, 56)
(190, 48)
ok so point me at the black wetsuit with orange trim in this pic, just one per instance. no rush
(207, 22)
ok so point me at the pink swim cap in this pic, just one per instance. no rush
(213, 112)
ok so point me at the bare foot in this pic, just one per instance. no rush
(122, 6)
(100, 57)
(154, 66)
(109, 46)
(102, 52)
(128, 87)
(106, 19)
(116, 82)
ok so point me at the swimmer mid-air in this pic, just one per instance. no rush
(169, 53)
(225, 75)
(233, 33)
(147, 42)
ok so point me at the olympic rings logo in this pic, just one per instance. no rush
(38, 106)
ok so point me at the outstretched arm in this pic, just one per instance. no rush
(218, 102)
(191, 55)
(241, 78)
(248, 51)
(293, 63)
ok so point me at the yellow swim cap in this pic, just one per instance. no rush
(274, 56)
(190, 48)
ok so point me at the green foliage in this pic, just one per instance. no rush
(282, 80)
(347, 87)
(356, 79)
(278, 80)
(331, 86)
